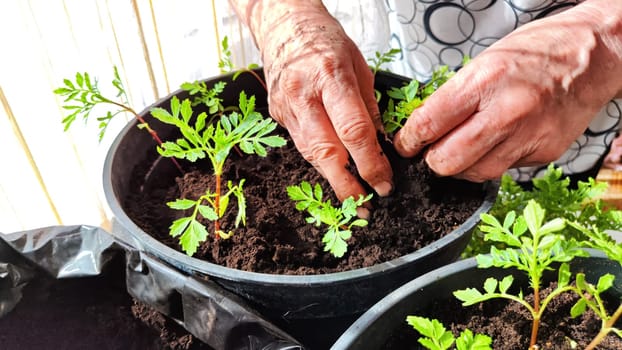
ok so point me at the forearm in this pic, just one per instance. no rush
(606, 18)
(263, 16)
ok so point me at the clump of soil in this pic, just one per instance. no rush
(88, 313)
(276, 238)
(509, 324)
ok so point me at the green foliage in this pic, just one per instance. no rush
(403, 101)
(191, 231)
(436, 337)
(246, 129)
(339, 220)
(206, 96)
(532, 246)
(552, 191)
(82, 96)
(225, 64)
(382, 58)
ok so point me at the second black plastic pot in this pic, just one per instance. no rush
(375, 327)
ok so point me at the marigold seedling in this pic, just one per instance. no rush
(532, 247)
(83, 96)
(436, 337)
(339, 220)
(246, 129)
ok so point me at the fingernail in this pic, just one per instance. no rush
(362, 213)
(384, 188)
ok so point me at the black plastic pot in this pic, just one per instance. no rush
(283, 298)
(375, 327)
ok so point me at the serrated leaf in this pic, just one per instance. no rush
(578, 308)
(182, 204)
(179, 226)
(208, 212)
(506, 283)
(490, 285)
(468, 296)
(605, 282)
(192, 237)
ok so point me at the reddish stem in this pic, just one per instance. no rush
(536, 321)
(217, 206)
(152, 132)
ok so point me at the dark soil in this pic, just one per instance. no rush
(88, 313)
(509, 324)
(276, 238)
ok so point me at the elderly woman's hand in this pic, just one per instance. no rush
(321, 89)
(523, 100)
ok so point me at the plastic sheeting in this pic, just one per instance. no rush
(216, 317)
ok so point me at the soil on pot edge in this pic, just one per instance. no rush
(276, 238)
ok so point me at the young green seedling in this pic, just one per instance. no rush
(339, 220)
(590, 294)
(532, 247)
(382, 58)
(226, 65)
(436, 337)
(83, 96)
(246, 129)
(403, 101)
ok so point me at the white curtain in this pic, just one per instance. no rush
(50, 177)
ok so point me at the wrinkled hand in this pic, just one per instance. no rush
(321, 89)
(523, 100)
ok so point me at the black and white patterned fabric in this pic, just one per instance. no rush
(433, 32)
(441, 32)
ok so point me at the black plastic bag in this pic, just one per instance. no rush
(80, 256)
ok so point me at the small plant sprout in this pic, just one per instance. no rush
(381, 58)
(403, 101)
(226, 64)
(436, 337)
(532, 247)
(210, 97)
(590, 294)
(339, 220)
(82, 96)
(246, 129)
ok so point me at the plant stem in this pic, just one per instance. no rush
(536, 317)
(605, 329)
(152, 132)
(258, 78)
(217, 206)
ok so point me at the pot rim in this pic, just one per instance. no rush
(184, 262)
(388, 302)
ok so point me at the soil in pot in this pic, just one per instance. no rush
(276, 238)
(88, 313)
(509, 324)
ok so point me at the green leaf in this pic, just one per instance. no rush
(605, 282)
(182, 204)
(563, 275)
(490, 285)
(468, 296)
(208, 212)
(506, 283)
(179, 226)
(192, 237)
(578, 308)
